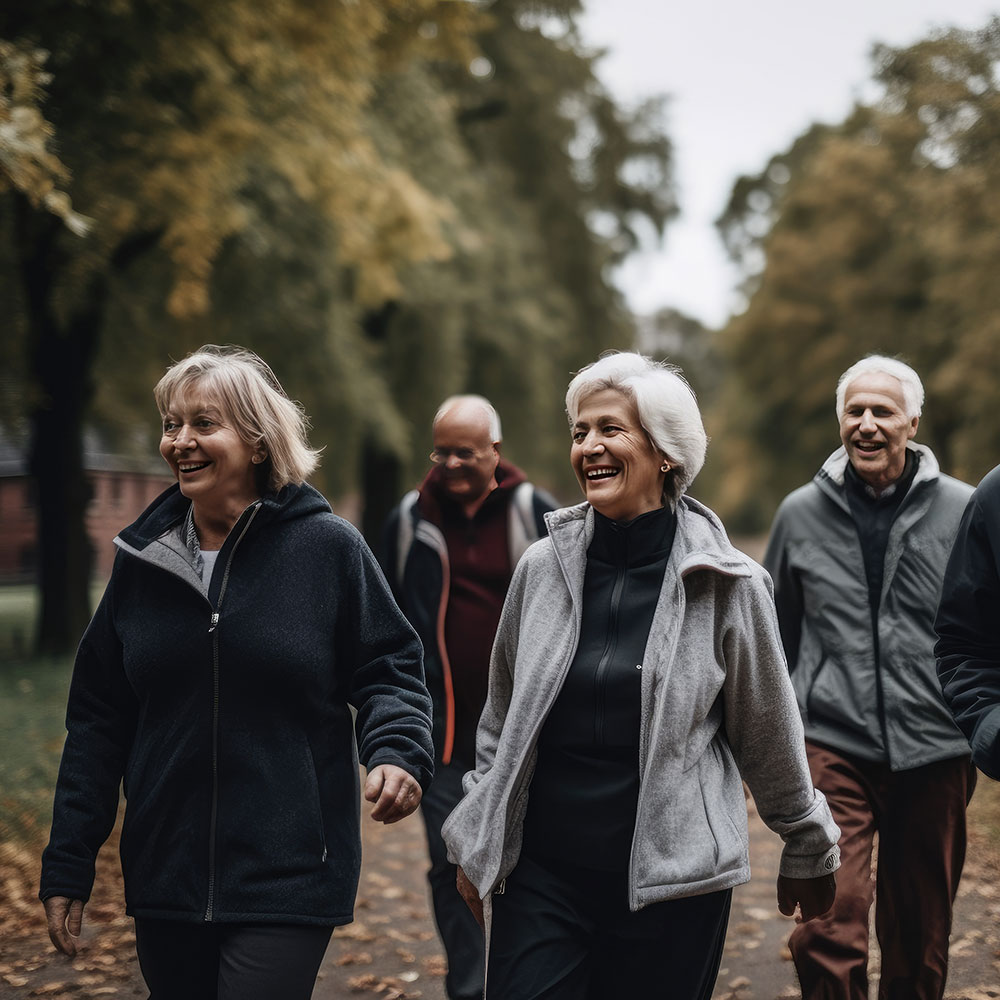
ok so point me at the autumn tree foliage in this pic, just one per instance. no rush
(875, 235)
(390, 200)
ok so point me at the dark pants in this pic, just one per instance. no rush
(565, 933)
(919, 815)
(182, 961)
(461, 936)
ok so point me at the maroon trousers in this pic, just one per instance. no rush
(919, 816)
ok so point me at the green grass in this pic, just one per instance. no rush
(32, 710)
(18, 615)
(18, 607)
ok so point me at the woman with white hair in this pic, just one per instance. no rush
(241, 623)
(637, 677)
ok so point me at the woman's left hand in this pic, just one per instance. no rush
(395, 792)
(814, 895)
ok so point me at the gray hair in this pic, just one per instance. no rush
(483, 403)
(262, 414)
(667, 407)
(913, 388)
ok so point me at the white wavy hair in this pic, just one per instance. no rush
(667, 407)
(913, 388)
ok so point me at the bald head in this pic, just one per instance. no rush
(469, 408)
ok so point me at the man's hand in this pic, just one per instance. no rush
(470, 894)
(65, 920)
(814, 895)
(395, 792)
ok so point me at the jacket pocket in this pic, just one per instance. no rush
(846, 701)
(696, 831)
(270, 809)
(317, 802)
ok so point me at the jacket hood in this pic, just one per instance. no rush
(170, 508)
(700, 541)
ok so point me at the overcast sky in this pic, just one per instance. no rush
(744, 80)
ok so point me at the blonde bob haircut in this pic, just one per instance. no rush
(667, 408)
(246, 389)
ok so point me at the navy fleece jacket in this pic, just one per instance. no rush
(224, 711)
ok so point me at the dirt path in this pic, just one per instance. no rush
(757, 965)
(391, 950)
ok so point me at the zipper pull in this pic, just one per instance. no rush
(215, 621)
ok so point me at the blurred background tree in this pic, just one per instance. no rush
(390, 201)
(878, 235)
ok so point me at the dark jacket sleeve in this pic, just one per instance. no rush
(968, 627)
(787, 587)
(387, 681)
(100, 725)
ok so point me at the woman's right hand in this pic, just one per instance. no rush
(470, 894)
(65, 919)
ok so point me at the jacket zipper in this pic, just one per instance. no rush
(210, 906)
(610, 646)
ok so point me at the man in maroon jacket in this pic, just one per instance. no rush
(449, 551)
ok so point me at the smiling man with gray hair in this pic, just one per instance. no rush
(858, 557)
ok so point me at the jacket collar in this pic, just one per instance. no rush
(830, 478)
(700, 542)
(160, 534)
(170, 509)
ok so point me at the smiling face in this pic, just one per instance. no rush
(466, 453)
(213, 464)
(875, 428)
(613, 458)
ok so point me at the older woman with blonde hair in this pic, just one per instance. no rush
(637, 677)
(241, 623)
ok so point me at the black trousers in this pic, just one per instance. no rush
(461, 936)
(564, 933)
(182, 961)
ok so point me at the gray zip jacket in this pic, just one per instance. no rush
(717, 706)
(877, 701)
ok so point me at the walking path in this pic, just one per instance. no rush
(391, 949)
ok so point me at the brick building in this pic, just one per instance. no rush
(121, 489)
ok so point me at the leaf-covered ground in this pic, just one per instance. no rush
(391, 950)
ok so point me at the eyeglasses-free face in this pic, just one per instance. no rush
(617, 465)
(874, 428)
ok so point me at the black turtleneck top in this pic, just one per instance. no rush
(873, 516)
(583, 795)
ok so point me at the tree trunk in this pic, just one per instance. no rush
(61, 359)
(381, 470)
(380, 475)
